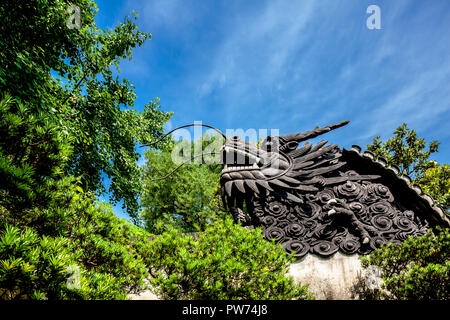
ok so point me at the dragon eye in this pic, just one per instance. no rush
(292, 145)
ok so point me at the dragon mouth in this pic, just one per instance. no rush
(237, 159)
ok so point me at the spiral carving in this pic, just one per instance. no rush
(295, 230)
(325, 196)
(276, 209)
(349, 246)
(360, 211)
(326, 232)
(268, 221)
(402, 236)
(310, 224)
(308, 227)
(382, 222)
(383, 192)
(324, 247)
(275, 233)
(309, 211)
(299, 248)
(380, 208)
(404, 223)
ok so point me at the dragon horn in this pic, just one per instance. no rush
(299, 137)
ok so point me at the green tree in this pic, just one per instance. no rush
(226, 261)
(417, 269)
(49, 225)
(64, 119)
(406, 151)
(436, 183)
(67, 76)
(74, 248)
(33, 153)
(189, 198)
(410, 153)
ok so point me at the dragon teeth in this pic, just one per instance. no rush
(237, 168)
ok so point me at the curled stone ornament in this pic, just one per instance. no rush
(382, 222)
(294, 230)
(276, 209)
(349, 246)
(309, 211)
(310, 224)
(275, 233)
(402, 236)
(349, 190)
(383, 192)
(310, 197)
(360, 210)
(324, 248)
(325, 232)
(325, 196)
(381, 207)
(282, 224)
(404, 223)
(259, 212)
(338, 240)
(268, 221)
(299, 248)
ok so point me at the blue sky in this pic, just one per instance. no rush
(292, 65)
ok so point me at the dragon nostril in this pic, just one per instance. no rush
(260, 162)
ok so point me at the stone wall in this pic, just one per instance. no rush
(330, 278)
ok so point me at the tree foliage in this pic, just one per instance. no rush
(416, 269)
(33, 153)
(73, 249)
(67, 77)
(226, 261)
(406, 150)
(436, 183)
(410, 153)
(66, 118)
(187, 200)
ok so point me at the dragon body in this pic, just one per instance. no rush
(320, 198)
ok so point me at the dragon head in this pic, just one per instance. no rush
(278, 165)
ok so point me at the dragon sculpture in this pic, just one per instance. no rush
(320, 198)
